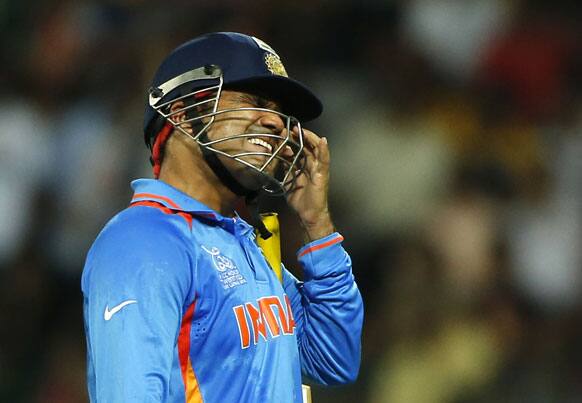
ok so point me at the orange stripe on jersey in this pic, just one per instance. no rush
(153, 196)
(186, 217)
(190, 383)
(193, 394)
(323, 245)
(152, 204)
(184, 340)
(163, 208)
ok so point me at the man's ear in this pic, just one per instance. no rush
(178, 116)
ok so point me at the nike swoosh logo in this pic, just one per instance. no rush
(109, 313)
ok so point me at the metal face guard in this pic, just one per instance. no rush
(204, 101)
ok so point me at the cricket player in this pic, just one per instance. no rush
(180, 304)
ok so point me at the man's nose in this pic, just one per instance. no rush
(271, 121)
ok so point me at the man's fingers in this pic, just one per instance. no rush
(310, 139)
(320, 148)
(317, 154)
(323, 151)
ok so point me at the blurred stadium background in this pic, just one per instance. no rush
(456, 135)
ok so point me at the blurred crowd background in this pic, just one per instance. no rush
(456, 136)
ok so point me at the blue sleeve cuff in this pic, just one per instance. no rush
(318, 244)
(322, 256)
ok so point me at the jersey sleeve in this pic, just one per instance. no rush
(136, 281)
(328, 312)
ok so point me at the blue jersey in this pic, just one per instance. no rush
(180, 305)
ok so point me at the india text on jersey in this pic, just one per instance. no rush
(262, 317)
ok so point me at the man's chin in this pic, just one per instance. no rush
(250, 178)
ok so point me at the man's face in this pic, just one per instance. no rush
(271, 126)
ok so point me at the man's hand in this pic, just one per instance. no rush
(309, 198)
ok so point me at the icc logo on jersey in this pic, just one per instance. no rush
(229, 275)
(221, 262)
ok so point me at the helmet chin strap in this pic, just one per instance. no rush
(251, 196)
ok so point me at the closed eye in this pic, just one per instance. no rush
(245, 99)
(257, 101)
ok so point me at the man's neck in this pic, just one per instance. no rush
(192, 176)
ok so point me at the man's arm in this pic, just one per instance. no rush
(135, 284)
(328, 312)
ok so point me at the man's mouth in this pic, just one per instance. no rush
(261, 143)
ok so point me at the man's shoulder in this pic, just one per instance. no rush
(141, 225)
(135, 241)
(136, 233)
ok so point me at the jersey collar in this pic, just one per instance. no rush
(172, 198)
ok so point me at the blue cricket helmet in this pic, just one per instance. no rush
(245, 63)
